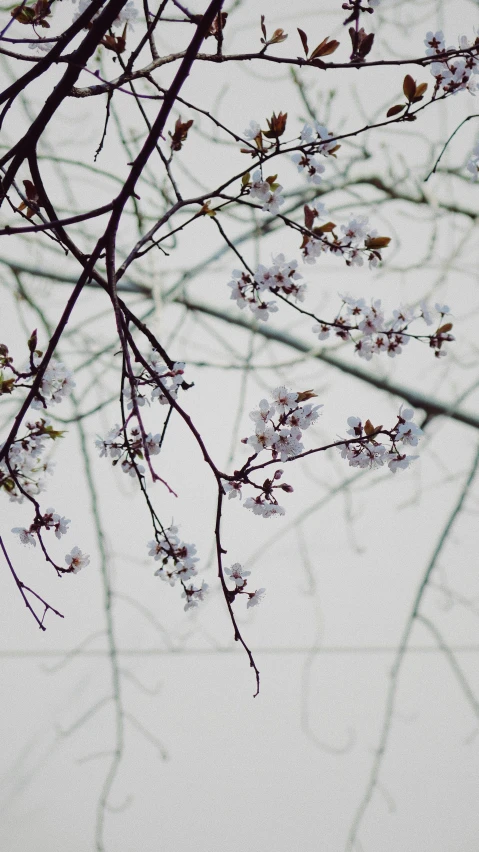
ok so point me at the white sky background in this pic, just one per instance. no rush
(289, 768)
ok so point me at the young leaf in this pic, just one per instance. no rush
(324, 229)
(443, 329)
(303, 396)
(365, 44)
(394, 110)
(325, 48)
(263, 28)
(377, 242)
(278, 36)
(421, 89)
(304, 40)
(409, 87)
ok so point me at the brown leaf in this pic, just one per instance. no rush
(421, 89)
(31, 191)
(278, 36)
(23, 14)
(443, 329)
(276, 125)
(324, 229)
(377, 242)
(394, 110)
(180, 134)
(206, 210)
(325, 48)
(303, 396)
(365, 44)
(218, 25)
(332, 151)
(309, 216)
(263, 28)
(409, 87)
(370, 429)
(304, 40)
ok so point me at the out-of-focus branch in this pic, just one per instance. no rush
(373, 781)
(432, 406)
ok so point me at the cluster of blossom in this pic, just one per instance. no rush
(316, 140)
(367, 451)
(357, 241)
(128, 14)
(473, 162)
(24, 475)
(281, 277)
(170, 378)
(319, 139)
(194, 595)
(51, 520)
(115, 445)
(237, 575)
(310, 166)
(379, 335)
(57, 383)
(266, 192)
(177, 558)
(453, 73)
(279, 425)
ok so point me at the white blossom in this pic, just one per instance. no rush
(233, 489)
(255, 597)
(194, 595)
(57, 383)
(238, 574)
(25, 536)
(252, 131)
(76, 560)
(310, 166)
(396, 461)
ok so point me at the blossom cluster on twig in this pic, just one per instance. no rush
(23, 466)
(453, 73)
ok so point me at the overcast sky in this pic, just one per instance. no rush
(203, 764)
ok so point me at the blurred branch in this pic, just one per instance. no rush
(380, 751)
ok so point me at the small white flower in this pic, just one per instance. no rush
(238, 574)
(252, 131)
(76, 560)
(272, 510)
(233, 489)
(256, 504)
(283, 399)
(153, 443)
(193, 596)
(256, 597)
(25, 535)
(399, 462)
(132, 469)
(128, 15)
